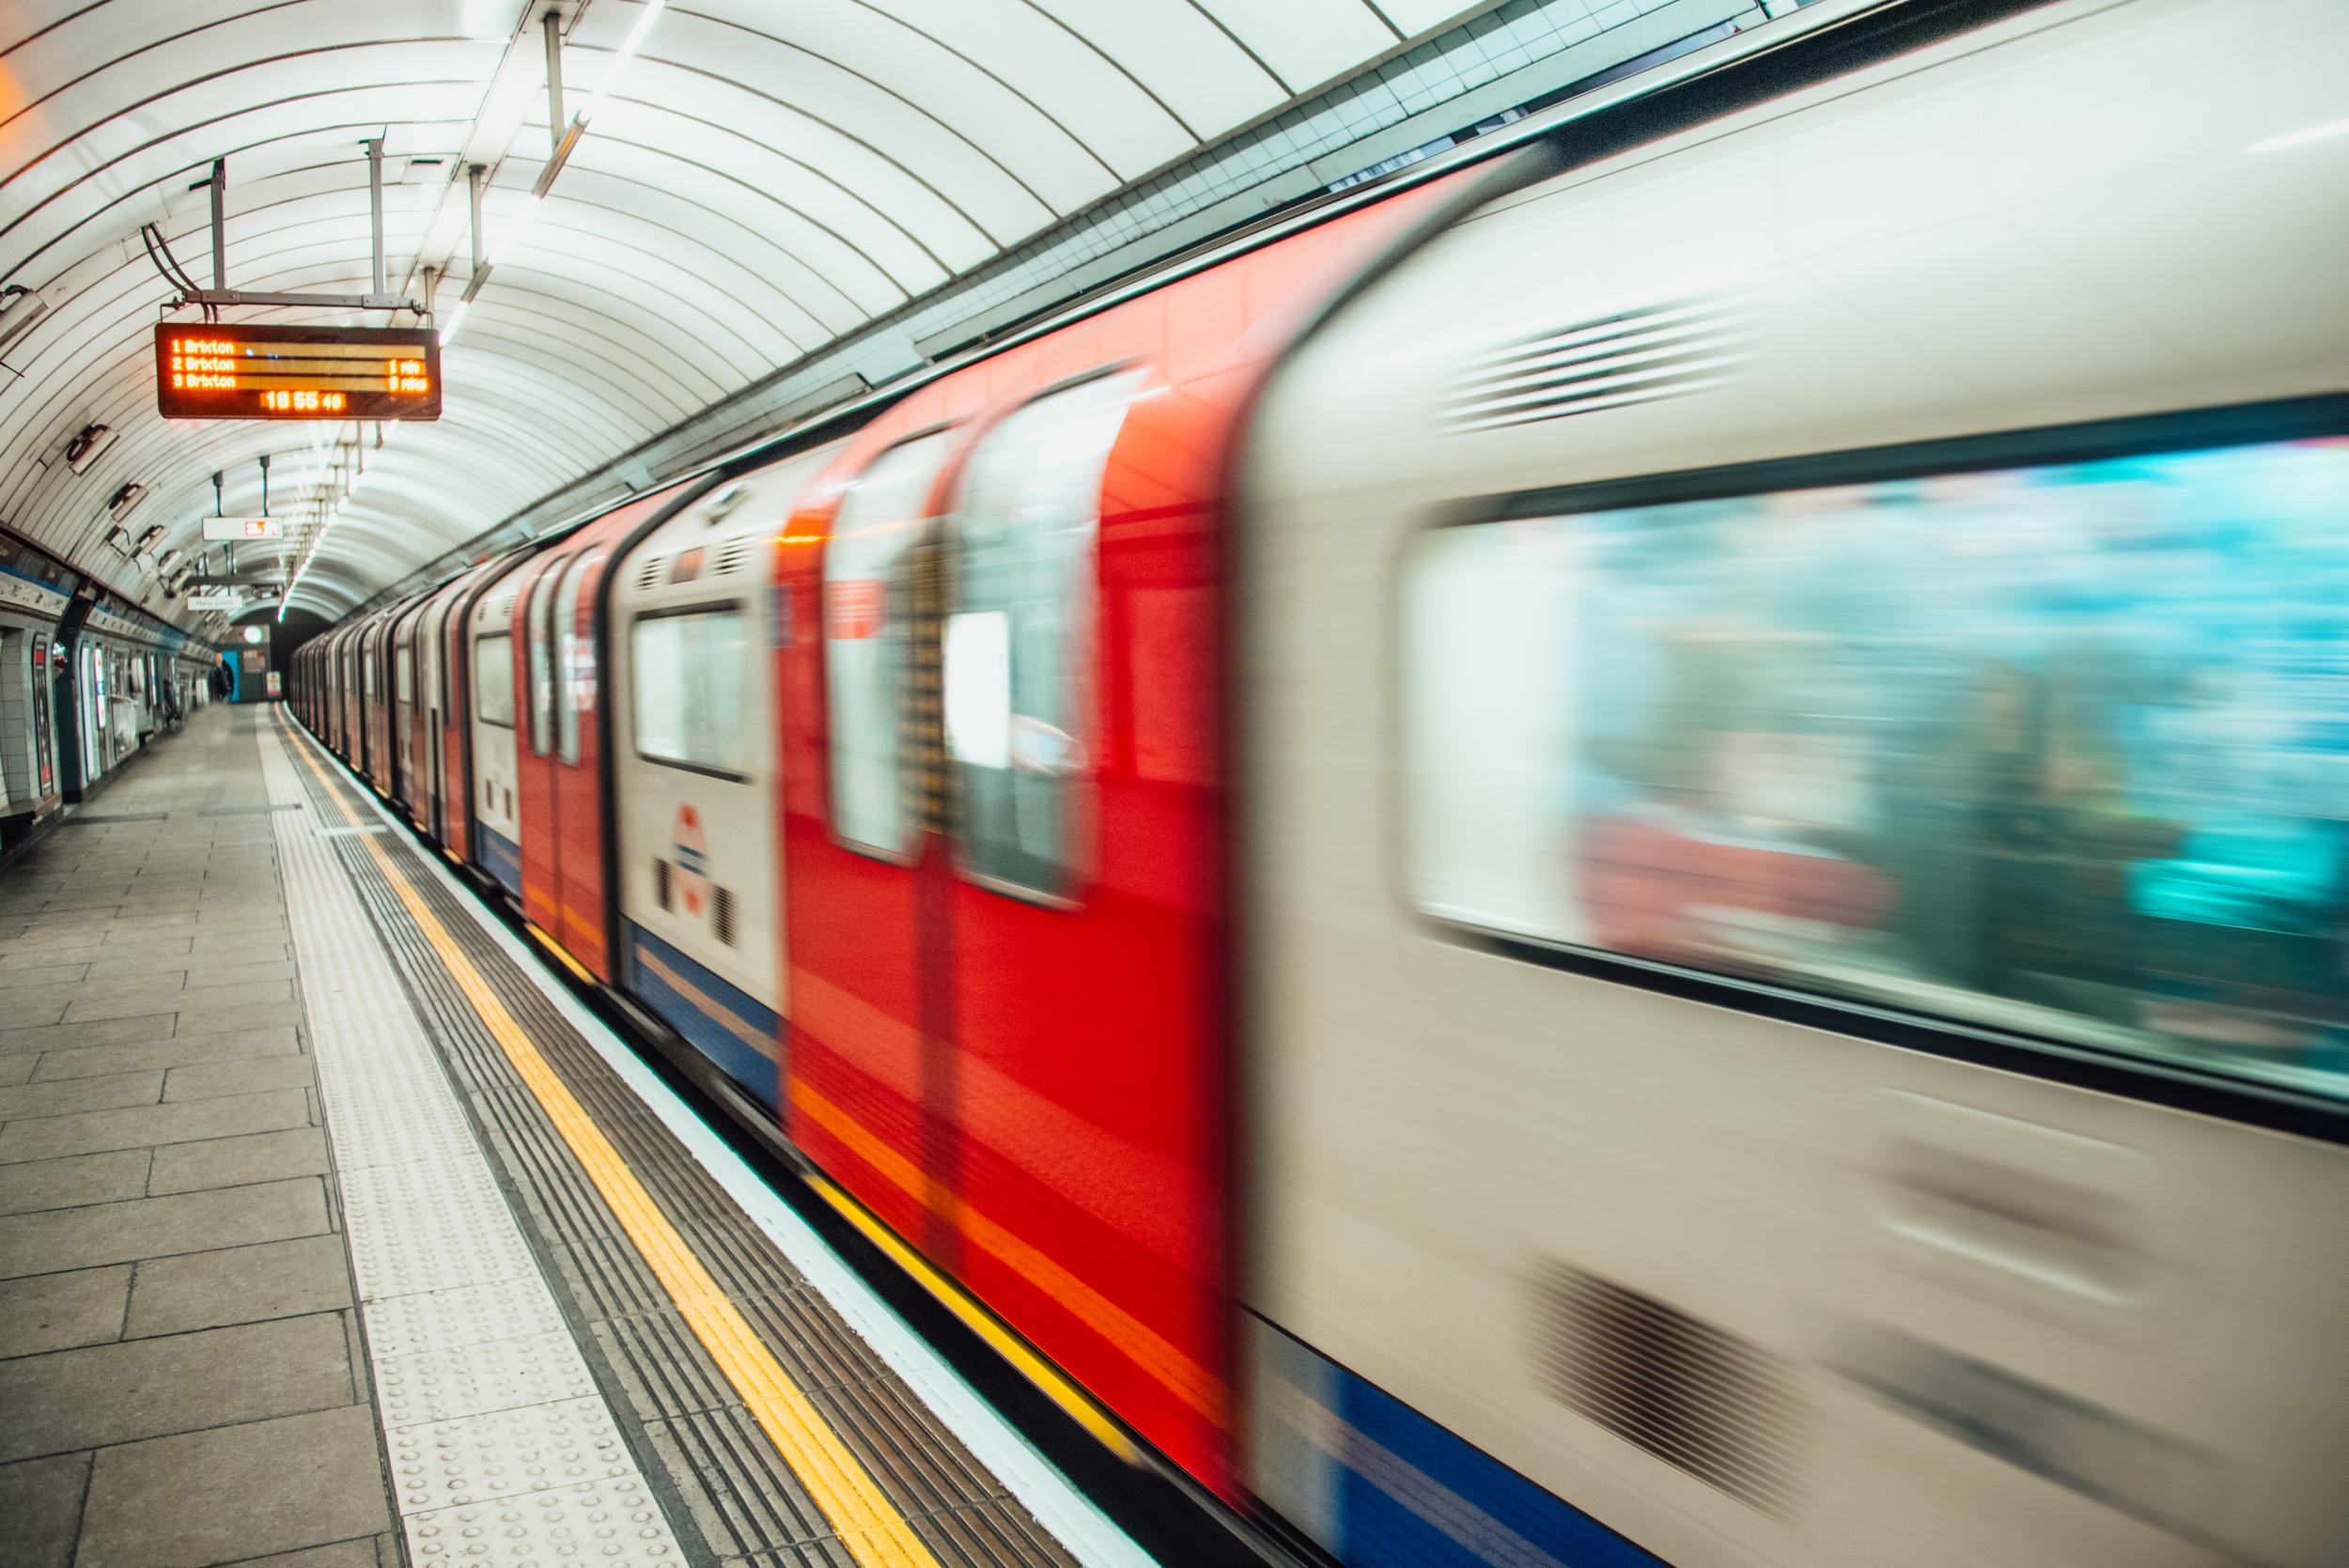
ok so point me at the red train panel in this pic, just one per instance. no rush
(1035, 1089)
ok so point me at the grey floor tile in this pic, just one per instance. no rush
(227, 973)
(33, 1009)
(123, 944)
(91, 1130)
(73, 1181)
(48, 958)
(213, 1080)
(156, 966)
(40, 1499)
(209, 1019)
(240, 1284)
(112, 1092)
(260, 1157)
(56, 1239)
(58, 1312)
(66, 1036)
(370, 1551)
(44, 974)
(179, 999)
(15, 1069)
(228, 1494)
(120, 1394)
(176, 1051)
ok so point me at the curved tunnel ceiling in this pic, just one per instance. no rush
(759, 179)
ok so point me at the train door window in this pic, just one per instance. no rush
(1019, 645)
(404, 674)
(2060, 751)
(866, 609)
(688, 669)
(540, 632)
(493, 680)
(366, 671)
(575, 661)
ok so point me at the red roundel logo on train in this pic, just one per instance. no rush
(690, 848)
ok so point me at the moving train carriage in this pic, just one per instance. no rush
(491, 656)
(1781, 1009)
(436, 736)
(33, 597)
(1740, 637)
(405, 707)
(1002, 846)
(693, 704)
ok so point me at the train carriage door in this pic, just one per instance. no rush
(403, 707)
(534, 759)
(1079, 854)
(92, 693)
(578, 778)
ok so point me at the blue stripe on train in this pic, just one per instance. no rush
(502, 859)
(1381, 1485)
(691, 1016)
(1491, 1515)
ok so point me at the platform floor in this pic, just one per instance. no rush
(333, 1232)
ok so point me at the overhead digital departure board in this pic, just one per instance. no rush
(263, 372)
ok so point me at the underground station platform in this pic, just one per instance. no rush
(334, 1232)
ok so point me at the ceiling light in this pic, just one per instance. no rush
(2290, 138)
(19, 307)
(88, 444)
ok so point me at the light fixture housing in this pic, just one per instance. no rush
(125, 500)
(19, 307)
(88, 444)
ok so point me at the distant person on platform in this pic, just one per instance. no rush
(224, 681)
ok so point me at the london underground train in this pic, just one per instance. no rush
(1633, 856)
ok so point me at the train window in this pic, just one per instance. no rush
(2059, 750)
(493, 680)
(539, 643)
(866, 606)
(687, 690)
(574, 659)
(366, 673)
(1017, 646)
(404, 675)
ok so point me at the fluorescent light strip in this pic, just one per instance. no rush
(2301, 139)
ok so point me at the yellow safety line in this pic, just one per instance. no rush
(876, 1534)
(980, 1321)
(560, 954)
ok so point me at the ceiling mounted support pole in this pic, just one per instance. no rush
(556, 124)
(375, 207)
(473, 177)
(220, 226)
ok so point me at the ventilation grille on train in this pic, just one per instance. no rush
(650, 573)
(721, 914)
(661, 881)
(1698, 1399)
(731, 556)
(1639, 356)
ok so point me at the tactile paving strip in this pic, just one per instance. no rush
(470, 1237)
(486, 1400)
(505, 1453)
(453, 1319)
(744, 1499)
(600, 1522)
(475, 1379)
